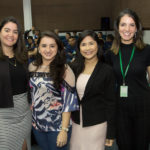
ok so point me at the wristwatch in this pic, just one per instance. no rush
(65, 129)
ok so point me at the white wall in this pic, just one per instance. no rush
(147, 36)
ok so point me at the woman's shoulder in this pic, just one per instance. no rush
(108, 72)
(107, 66)
(32, 67)
(145, 52)
(109, 56)
(69, 76)
(109, 52)
(147, 47)
(68, 70)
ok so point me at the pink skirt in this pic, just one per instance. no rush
(88, 138)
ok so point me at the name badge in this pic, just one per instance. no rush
(123, 91)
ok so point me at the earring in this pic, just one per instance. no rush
(39, 51)
(135, 35)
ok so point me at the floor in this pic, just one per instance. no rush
(114, 147)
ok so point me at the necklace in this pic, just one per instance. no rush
(42, 66)
(12, 62)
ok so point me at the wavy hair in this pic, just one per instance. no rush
(138, 38)
(79, 63)
(57, 66)
(19, 47)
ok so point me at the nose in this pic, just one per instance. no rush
(48, 48)
(127, 27)
(87, 46)
(10, 33)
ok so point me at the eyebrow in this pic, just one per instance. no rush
(10, 29)
(48, 44)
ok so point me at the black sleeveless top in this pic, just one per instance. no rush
(18, 77)
(13, 80)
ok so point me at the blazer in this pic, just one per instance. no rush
(99, 100)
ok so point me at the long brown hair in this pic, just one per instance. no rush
(138, 38)
(57, 66)
(19, 47)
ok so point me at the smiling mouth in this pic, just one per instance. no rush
(10, 40)
(48, 54)
(88, 53)
(127, 34)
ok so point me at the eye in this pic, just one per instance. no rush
(133, 25)
(6, 30)
(15, 32)
(43, 45)
(83, 44)
(122, 24)
(91, 43)
(52, 46)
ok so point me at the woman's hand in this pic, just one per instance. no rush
(62, 138)
(109, 142)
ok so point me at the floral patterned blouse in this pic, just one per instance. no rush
(48, 104)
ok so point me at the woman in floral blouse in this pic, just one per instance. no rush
(53, 94)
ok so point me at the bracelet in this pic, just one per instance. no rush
(65, 129)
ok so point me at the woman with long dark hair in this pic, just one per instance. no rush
(15, 114)
(130, 59)
(93, 125)
(53, 94)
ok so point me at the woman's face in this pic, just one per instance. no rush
(48, 49)
(9, 34)
(89, 48)
(127, 29)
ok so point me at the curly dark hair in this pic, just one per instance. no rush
(78, 64)
(18, 48)
(138, 39)
(57, 66)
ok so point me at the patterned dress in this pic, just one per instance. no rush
(48, 104)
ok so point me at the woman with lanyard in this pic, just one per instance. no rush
(130, 59)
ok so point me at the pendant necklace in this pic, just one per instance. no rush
(13, 62)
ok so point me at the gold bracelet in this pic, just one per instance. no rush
(65, 129)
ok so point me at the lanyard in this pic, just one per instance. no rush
(121, 66)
